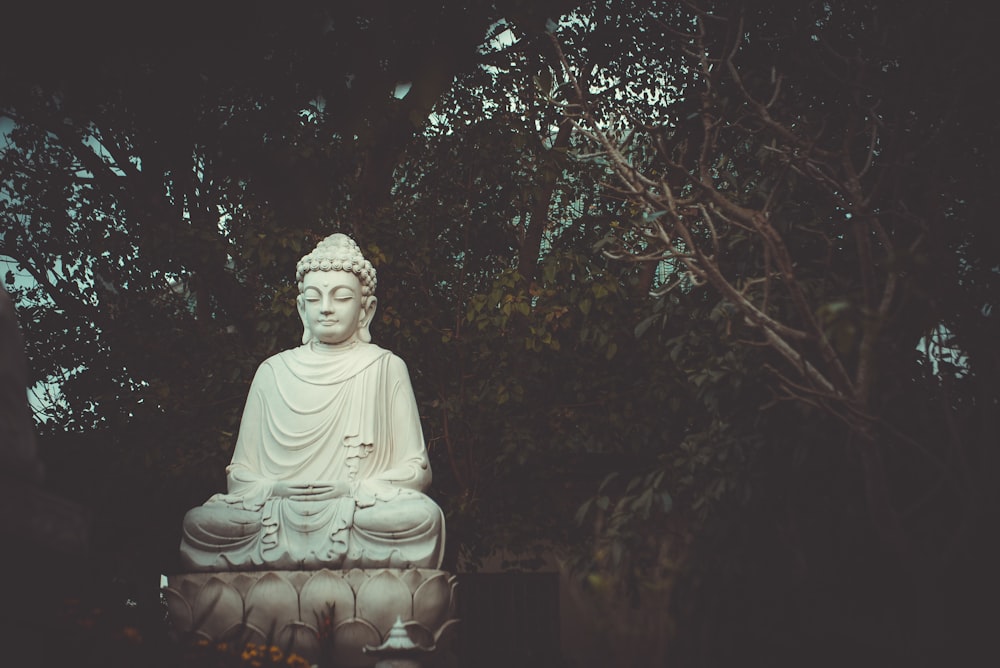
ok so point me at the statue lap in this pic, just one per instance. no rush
(394, 533)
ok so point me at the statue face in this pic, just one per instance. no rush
(332, 307)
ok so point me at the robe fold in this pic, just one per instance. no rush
(322, 416)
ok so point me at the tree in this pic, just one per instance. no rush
(818, 196)
(159, 196)
(156, 190)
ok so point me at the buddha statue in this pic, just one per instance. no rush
(330, 464)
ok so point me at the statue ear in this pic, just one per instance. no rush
(367, 315)
(300, 304)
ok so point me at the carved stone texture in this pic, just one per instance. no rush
(330, 465)
(322, 615)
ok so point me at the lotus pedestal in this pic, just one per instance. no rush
(325, 616)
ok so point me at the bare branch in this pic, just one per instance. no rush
(871, 150)
(701, 13)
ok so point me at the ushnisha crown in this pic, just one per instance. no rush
(338, 252)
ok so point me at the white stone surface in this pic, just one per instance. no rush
(330, 463)
(321, 615)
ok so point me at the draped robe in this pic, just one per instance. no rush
(319, 416)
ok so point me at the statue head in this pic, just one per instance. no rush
(329, 278)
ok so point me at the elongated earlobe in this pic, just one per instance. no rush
(300, 305)
(364, 330)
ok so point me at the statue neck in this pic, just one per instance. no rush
(333, 348)
(327, 365)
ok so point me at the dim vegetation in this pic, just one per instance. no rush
(700, 297)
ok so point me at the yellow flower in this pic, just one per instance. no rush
(296, 661)
(250, 651)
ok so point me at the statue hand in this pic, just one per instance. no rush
(315, 491)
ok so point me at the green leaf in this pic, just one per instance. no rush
(607, 480)
(644, 325)
(666, 501)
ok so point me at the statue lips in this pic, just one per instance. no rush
(332, 331)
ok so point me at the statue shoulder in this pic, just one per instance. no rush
(396, 363)
(397, 373)
(265, 370)
(275, 359)
(392, 365)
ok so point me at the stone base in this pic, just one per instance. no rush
(325, 616)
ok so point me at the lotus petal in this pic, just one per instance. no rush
(383, 598)
(323, 591)
(297, 637)
(271, 604)
(217, 609)
(414, 577)
(178, 609)
(242, 583)
(419, 634)
(432, 601)
(187, 585)
(301, 639)
(357, 577)
(445, 636)
(250, 634)
(349, 640)
(298, 578)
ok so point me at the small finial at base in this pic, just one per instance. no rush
(398, 650)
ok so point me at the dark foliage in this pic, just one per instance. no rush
(162, 172)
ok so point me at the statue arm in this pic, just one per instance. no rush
(243, 477)
(251, 487)
(410, 466)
